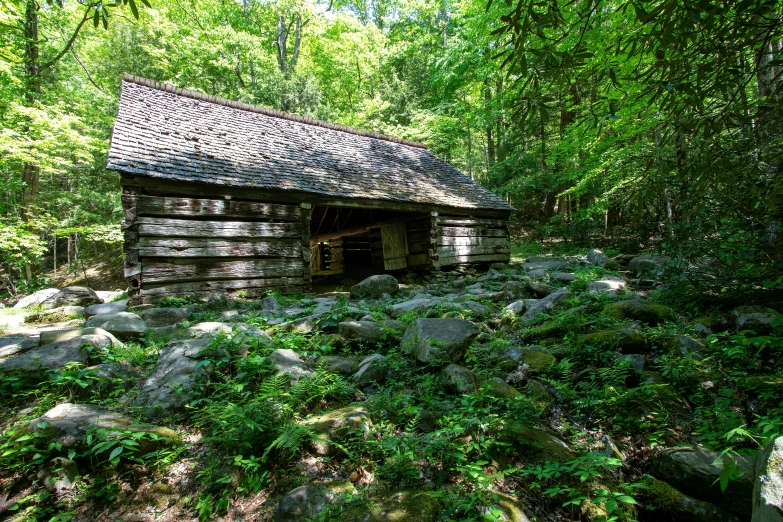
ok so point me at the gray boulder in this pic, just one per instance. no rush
(158, 317)
(768, 484)
(672, 504)
(305, 502)
(607, 285)
(562, 277)
(547, 304)
(362, 331)
(106, 308)
(596, 257)
(270, 305)
(56, 336)
(36, 298)
(538, 273)
(415, 304)
(173, 382)
(648, 265)
(458, 380)
(123, 325)
(55, 355)
(756, 318)
(73, 296)
(69, 423)
(371, 369)
(375, 286)
(13, 345)
(289, 363)
(336, 425)
(431, 340)
(697, 473)
(344, 366)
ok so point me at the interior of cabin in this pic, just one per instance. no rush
(353, 243)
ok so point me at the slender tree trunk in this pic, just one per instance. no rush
(490, 127)
(31, 172)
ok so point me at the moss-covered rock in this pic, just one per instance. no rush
(537, 360)
(509, 507)
(499, 388)
(539, 395)
(649, 313)
(458, 380)
(683, 344)
(336, 425)
(536, 445)
(547, 329)
(626, 340)
(667, 502)
(405, 505)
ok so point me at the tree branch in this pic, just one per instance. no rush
(70, 42)
(89, 77)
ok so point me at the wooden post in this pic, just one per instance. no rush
(131, 246)
(307, 278)
(433, 249)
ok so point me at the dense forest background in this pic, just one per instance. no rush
(644, 124)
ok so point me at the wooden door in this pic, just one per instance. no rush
(394, 239)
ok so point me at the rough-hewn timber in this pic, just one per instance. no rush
(461, 239)
(190, 207)
(170, 270)
(200, 247)
(153, 226)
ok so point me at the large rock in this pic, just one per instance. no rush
(626, 340)
(499, 388)
(768, 486)
(288, 362)
(607, 285)
(649, 313)
(371, 369)
(412, 305)
(756, 318)
(306, 502)
(55, 355)
(344, 366)
(650, 265)
(36, 298)
(238, 332)
(672, 504)
(400, 506)
(13, 345)
(270, 305)
(73, 296)
(174, 381)
(368, 332)
(336, 425)
(432, 340)
(538, 445)
(547, 304)
(158, 317)
(375, 286)
(56, 336)
(56, 315)
(106, 308)
(685, 344)
(596, 257)
(68, 423)
(458, 380)
(537, 359)
(123, 325)
(697, 473)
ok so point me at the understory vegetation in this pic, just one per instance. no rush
(577, 443)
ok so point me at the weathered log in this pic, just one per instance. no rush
(472, 240)
(307, 210)
(162, 271)
(456, 221)
(171, 206)
(150, 226)
(203, 289)
(160, 247)
(446, 251)
(484, 258)
(472, 231)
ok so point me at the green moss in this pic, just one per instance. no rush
(664, 497)
(548, 329)
(499, 388)
(625, 340)
(536, 445)
(649, 313)
(537, 360)
(410, 506)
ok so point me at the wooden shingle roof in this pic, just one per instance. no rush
(180, 135)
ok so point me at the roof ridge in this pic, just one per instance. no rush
(187, 93)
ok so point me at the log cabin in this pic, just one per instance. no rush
(223, 196)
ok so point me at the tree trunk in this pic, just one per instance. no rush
(282, 50)
(490, 127)
(31, 173)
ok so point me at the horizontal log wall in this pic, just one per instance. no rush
(463, 240)
(198, 246)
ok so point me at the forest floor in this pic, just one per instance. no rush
(547, 389)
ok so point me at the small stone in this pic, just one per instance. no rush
(340, 365)
(650, 265)
(106, 308)
(607, 285)
(563, 277)
(538, 273)
(270, 305)
(458, 380)
(72, 296)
